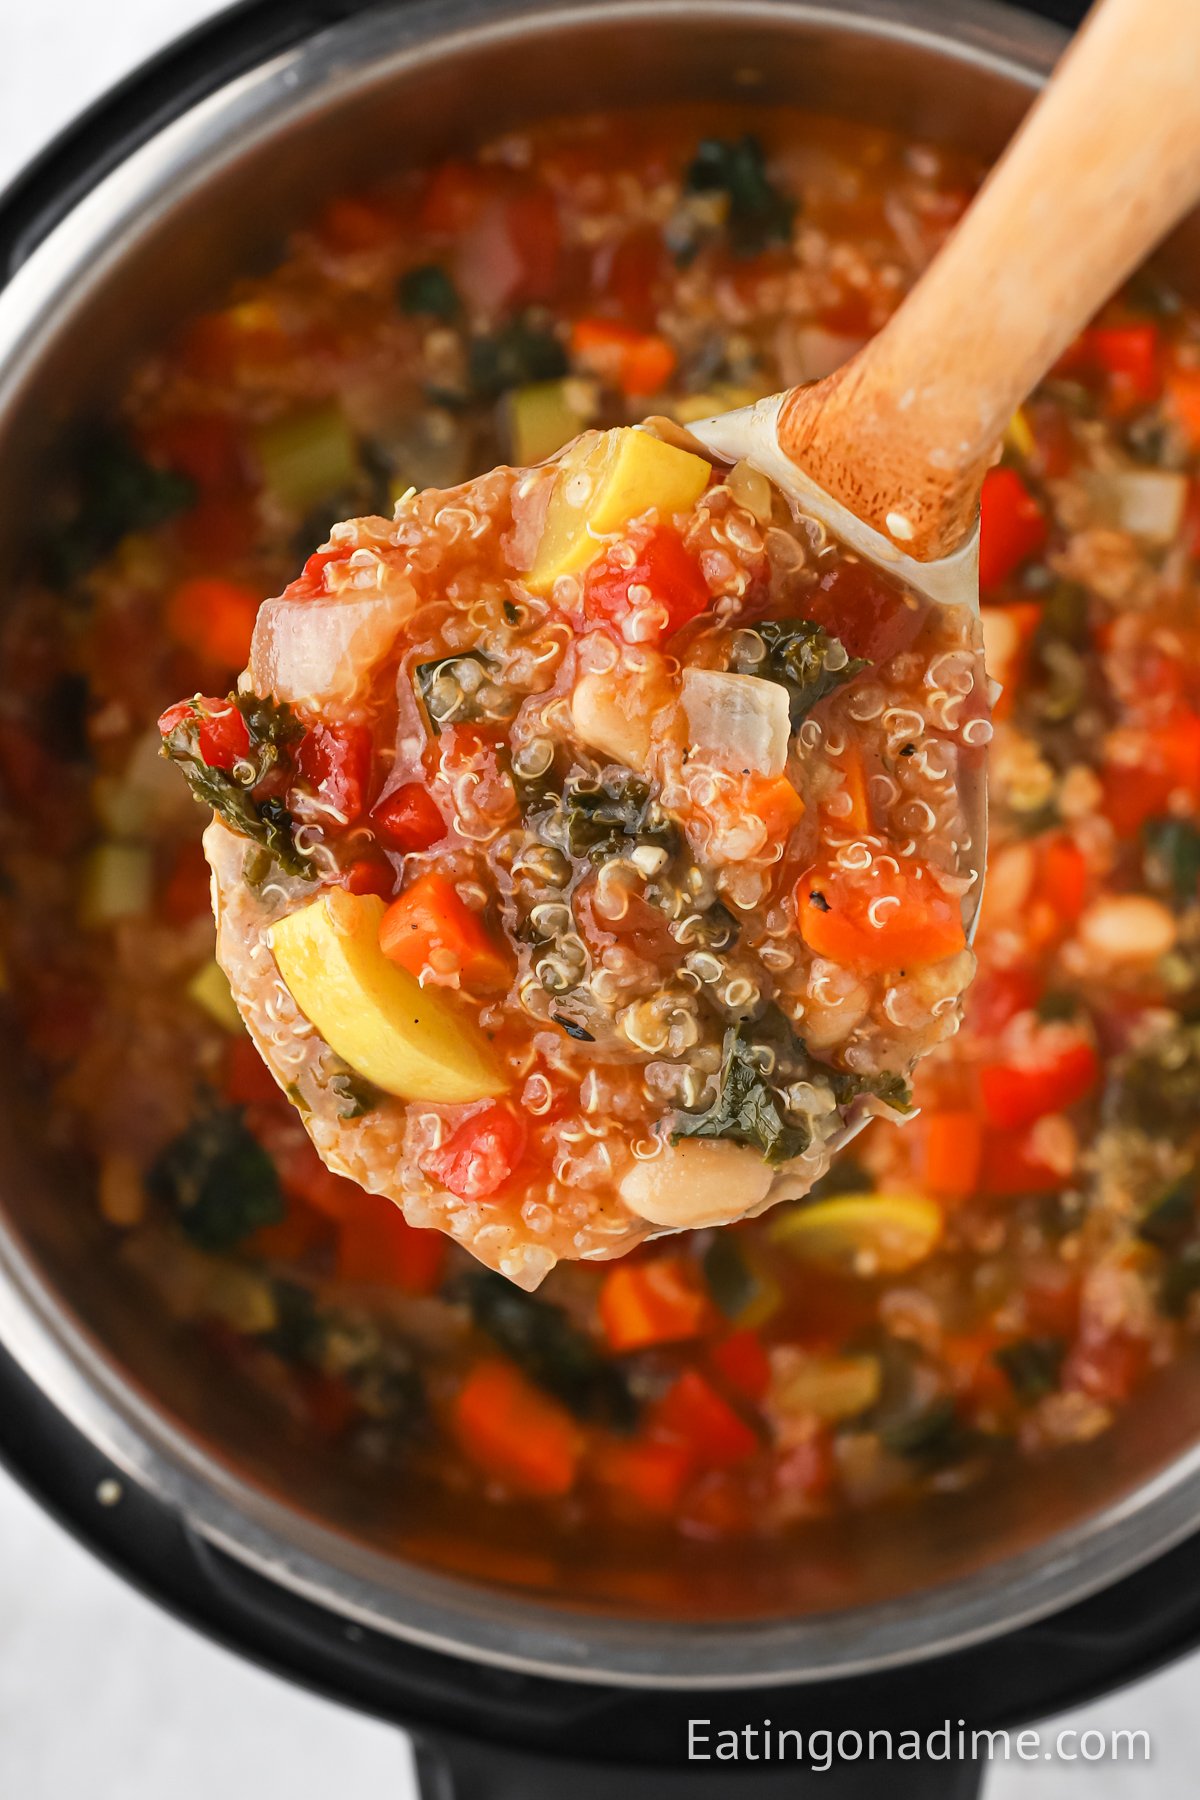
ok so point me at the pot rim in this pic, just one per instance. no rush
(425, 1607)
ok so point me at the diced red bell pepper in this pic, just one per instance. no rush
(998, 995)
(665, 575)
(311, 580)
(336, 760)
(693, 1413)
(214, 619)
(377, 1244)
(1016, 1095)
(742, 1363)
(515, 1433)
(1012, 527)
(656, 1301)
(222, 738)
(408, 818)
(430, 927)
(481, 1154)
(1129, 356)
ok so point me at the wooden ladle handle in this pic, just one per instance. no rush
(1105, 163)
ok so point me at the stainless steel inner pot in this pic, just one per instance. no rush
(206, 198)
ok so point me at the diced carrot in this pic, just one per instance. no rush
(638, 362)
(649, 1471)
(214, 619)
(659, 1301)
(951, 1153)
(1183, 402)
(515, 1433)
(884, 921)
(775, 800)
(854, 773)
(693, 1413)
(743, 1364)
(377, 1244)
(429, 927)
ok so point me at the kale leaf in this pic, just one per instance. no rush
(804, 657)
(519, 353)
(603, 818)
(230, 793)
(746, 1109)
(888, 1086)
(218, 1180)
(429, 290)
(551, 1350)
(1032, 1365)
(119, 492)
(1171, 858)
(760, 214)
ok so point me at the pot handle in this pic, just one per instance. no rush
(455, 1768)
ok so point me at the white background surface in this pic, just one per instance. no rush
(100, 1694)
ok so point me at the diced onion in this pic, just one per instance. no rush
(321, 654)
(1149, 503)
(740, 720)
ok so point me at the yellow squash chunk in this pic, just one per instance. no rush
(862, 1234)
(604, 484)
(406, 1039)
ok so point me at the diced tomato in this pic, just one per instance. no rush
(1012, 527)
(429, 927)
(480, 1155)
(248, 1081)
(222, 738)
(219, 528)
(665, 576)
(1183, 402)
(1129, 357)
(693, 1413)
(886, 921)
(204, 446)
(408, 818)
(311, 580)
(370, 875)
(638, 362)
(1063, 878)
(357, 222)
(515, 1433)
(870, 615)
(951, 1152)
(656, 1301)
(214, 619)
(1016, 1095)
(1167, 762)
(743, 1364)
(187, 893)
(632, 274)
(1107, 1368)
(998, 995)
(376, 1244)
(1010, 1166)
(649, 1471)
(336, 760)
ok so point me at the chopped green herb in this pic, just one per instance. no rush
(218, 1180)
(804, 658)
(429, 289)
(746, 1109)
(760, 213)
(1032, 1365)
(550, 1349)
(605, 818)
(888, 1086)
(1171, 858)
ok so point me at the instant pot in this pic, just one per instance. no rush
(991, 1607)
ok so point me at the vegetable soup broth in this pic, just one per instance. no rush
(1002, 1271)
